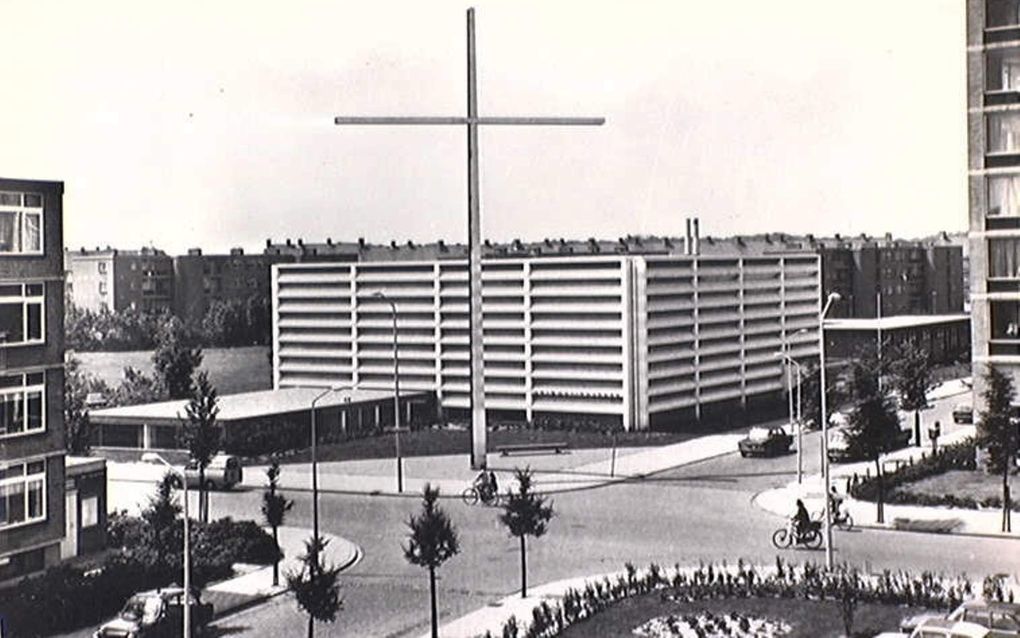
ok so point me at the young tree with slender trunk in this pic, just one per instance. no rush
(201, 435)
(316, 585)
(912, 369)
(431, 542)
(274, 507)
(873, 426)
(997, 433)
(175, 360)
(525, 514)
(76, 413)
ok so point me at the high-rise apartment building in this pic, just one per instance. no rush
(993, 117)
(200, 280)
(32, 472)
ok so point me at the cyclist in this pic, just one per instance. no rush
(801, 520)
(483, 486)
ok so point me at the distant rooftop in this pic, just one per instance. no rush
(245, 405)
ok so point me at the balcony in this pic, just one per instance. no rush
(1002, 21)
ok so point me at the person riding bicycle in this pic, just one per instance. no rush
(484, 486)
(801, 520)
(835, 504)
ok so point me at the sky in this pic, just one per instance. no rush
(210, 124)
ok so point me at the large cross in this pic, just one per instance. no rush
(473, 121)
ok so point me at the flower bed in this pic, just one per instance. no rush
(741, 581)
(706, 624)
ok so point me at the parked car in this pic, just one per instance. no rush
(765, 441)
(945, 628)
(157, 613)
(963, 413)
(1001, 620)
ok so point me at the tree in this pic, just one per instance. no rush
(137, 387)
(316, 586)
(201, 435)
(911, 368)
(873, 426)
(274, 507)
(160, 519)
(431, 542)
(525, 514)
(997, 432)
(76, 414)
(174, 358)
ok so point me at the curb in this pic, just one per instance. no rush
(263, 598)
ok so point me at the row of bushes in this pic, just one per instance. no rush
(809, 582)
(76, 596)
(958, 456)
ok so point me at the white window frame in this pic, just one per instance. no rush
(90, 511)
(22, 213)
(27, 300)
(26, 480)
(25, 390)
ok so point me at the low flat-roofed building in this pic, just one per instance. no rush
(263, 421)
(946, 338)
(85, 506)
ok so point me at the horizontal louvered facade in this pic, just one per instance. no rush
(627, 339)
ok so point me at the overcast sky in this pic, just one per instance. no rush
(210, 123)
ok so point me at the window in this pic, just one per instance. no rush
(1002, 13)
(1003, 71)
(1004, 196)
(22, 493)
(102, 267)
(1004, 132)
(21, 314)
(102, 287)
(22, 404)
(90, 511)
(20, 223)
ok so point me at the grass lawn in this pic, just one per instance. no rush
(960, 483)
(231, 370)
(807, 618)
(433, 442)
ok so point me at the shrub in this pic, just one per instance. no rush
(245, 540)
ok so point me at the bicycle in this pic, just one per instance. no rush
(811, 538)
(472, 496)
(841, 519)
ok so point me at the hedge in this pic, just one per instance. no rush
(76, 596)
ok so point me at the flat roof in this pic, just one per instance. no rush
(894, 322)
(246, 405)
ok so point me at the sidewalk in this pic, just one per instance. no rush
(255, 585)
(580, 469)
(780, 501)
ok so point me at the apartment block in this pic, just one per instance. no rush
(630, 341)
(200, 280)
(32, 468)
(118, 280)
(993, 117)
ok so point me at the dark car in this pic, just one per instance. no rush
(157, 613)
(765, 441)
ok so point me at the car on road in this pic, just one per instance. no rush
(157, 613)
(963, 413)
(223, 472)
(765, 441)
(840, 450)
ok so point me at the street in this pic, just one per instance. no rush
(699, 512)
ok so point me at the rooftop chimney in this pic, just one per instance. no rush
(697, 236)
(269, 242)
(194, 252)
(688, 242)
(236, 251)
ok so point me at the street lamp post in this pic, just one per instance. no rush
(315, 472)
(790, 361)
(152, 456)
(833, 296)
(396, 390)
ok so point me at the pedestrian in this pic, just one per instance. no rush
(934, 432)
(493, 485)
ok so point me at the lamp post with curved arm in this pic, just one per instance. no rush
(396, 389)
(315, 469)
(790, 361)
(833, 297)
(152, 456)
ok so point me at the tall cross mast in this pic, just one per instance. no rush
(473, 121)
